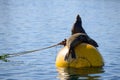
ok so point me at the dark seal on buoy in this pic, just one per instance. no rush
(78, 36)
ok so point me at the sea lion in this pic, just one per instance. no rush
(75, 40)
(77, 28)
(78, 36)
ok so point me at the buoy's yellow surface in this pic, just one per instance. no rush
(86, 56)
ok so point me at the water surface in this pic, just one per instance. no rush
(33, 24)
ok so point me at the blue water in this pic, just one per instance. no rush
(33, 24)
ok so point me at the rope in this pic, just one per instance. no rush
(25, 52)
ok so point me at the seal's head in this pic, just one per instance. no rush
(77, 27)
(78, 19)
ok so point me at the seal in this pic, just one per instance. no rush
(78, 36)
(75, 40)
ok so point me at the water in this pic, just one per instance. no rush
(33, 24)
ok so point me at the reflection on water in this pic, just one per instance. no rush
(77, 74)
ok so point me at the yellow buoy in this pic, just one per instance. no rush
(86, 56)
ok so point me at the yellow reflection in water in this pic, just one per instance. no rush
(79, 74)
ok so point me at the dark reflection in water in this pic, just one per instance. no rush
(79, 74)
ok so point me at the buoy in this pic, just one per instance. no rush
(86, 56)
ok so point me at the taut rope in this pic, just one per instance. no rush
(25, 52)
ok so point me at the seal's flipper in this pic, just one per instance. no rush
(70, 52)
(73, 53)
(93, 42)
